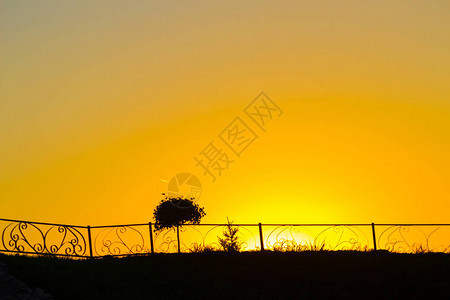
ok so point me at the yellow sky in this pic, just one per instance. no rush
(100, 100)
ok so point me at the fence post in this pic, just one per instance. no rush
(151, 236)
(261, 240)
(90, 241)
(178, 238)
(374, 237)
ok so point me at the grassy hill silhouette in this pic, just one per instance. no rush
(309, 274)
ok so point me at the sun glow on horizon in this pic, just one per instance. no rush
(101, 106)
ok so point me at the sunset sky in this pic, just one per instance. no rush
(101, 102)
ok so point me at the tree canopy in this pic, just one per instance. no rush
(172, 212)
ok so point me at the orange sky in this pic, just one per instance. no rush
(101, 100)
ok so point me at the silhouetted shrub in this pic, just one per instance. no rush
(172, 212)
(230, 242)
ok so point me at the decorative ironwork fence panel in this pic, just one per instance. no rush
(43, 238)
(166, 241)
(414, 238)
(133, 239)
(317, 237)
(120, 240)
(206, 237)
(196, 238)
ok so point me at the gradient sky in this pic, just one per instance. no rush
(100, 100)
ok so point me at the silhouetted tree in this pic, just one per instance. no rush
(172, 212)
(230, 242)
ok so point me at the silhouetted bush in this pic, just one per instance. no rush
(172, 212)
(230, 242)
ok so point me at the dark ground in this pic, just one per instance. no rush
(307, 275)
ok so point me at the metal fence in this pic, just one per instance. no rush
(38, 238)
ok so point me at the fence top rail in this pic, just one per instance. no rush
(317, 224)
(356, 224)
(237, 224)
(417, 224)
(122, 225)
(320, 224)
(270, 224)
(42, 223)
